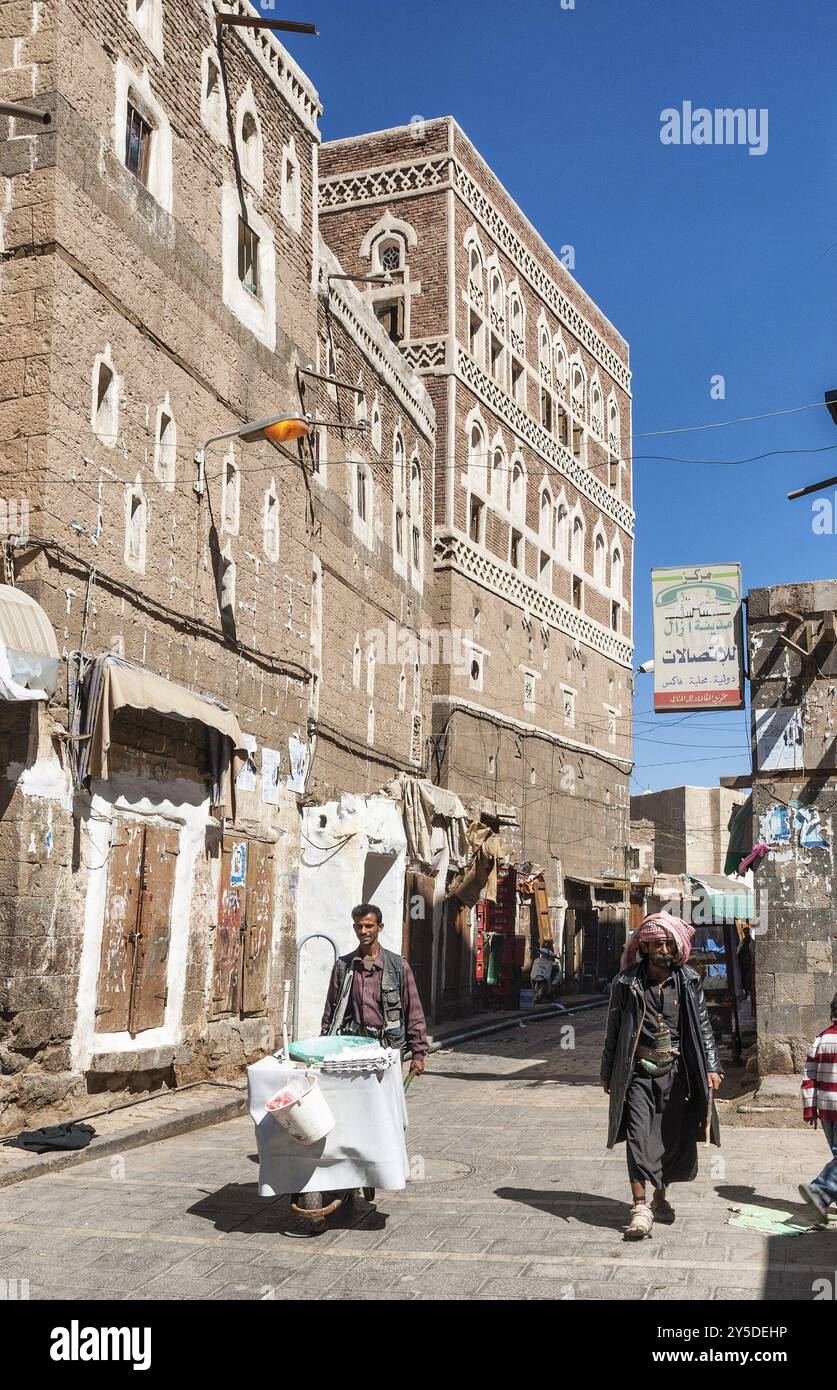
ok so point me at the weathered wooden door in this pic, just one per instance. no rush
(226, 972)
(241, 956)
(159, 865)
(122, 906)
(133, 965)
(417, 937)
(258, 932)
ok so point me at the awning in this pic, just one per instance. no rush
(727, 898)
(740, 836)
(29, 659)
(112, 684)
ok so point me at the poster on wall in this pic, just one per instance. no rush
(698, 656)
(779, 739)
(271, 775)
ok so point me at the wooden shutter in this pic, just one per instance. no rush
(148, 1004)
(542, 911)
(226, 973)
(258, 934)
(122, 904)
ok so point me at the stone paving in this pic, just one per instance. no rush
(519, 1199)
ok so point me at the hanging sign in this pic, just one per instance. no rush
(698, 651)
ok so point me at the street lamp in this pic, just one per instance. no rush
(277, 429)
(830, 400)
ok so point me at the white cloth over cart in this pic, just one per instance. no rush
(366, 1148)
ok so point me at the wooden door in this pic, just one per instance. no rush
(226, 972)
(150, 991)
(417, 936)
(122, 907)
(258, 928)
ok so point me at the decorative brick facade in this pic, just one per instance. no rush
(533, 534)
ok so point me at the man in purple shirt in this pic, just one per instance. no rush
(373, 993)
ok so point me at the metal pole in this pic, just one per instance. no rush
(814, 487)
(289, 26)
(24, 113)
(310, 937)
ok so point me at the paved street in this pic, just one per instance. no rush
(519, 1199)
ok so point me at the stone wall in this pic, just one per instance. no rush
(794, 813)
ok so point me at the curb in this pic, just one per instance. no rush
(133, 1137)
(483, 1030)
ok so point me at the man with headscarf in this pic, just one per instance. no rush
(659, 1066)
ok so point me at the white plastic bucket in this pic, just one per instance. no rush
(307, 1119)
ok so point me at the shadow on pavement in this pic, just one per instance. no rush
(238, 1207)
(799, 1267)
(606, 1213)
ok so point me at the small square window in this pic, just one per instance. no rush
(248, 257)
(137, 144)
(390, 315)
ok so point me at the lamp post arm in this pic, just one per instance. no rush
(199, 484)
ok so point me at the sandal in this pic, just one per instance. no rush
(662, 1211)
(640, 1222)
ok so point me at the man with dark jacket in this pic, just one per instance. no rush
(373, 992)
(659, 1066)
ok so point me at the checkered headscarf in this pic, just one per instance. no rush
(655, 928)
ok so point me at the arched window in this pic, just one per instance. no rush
(415, 489)
(475, 273)
(596, 412)
(251, 150)
(578, 544)
(544, 354)
(390, 254)
(370, 670)
(498, 476)
(291, 196)
(376, 426)
(416, 517)
(562, 532)
(616, 571)
(165, 448)
(271, 522)
(613, 432)
(104, 413)
(136, 518)
(599, 558)
(477, 459)
(518, 491)
(516, 319)
(560, 368)
(545, 520)
(231, 494)
(398, 475)
(578, 388)
(402, 689)
(356, 663)
(496, 297)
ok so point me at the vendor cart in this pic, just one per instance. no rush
(365, 1149)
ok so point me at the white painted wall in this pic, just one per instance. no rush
(181, 803)
(337, 839)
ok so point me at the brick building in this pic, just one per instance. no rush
(793, 663)
(533, 522)
(214, 612)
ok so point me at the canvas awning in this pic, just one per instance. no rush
(29, 659)
(112, 684)
(727, 898)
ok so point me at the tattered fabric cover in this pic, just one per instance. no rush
(479, 878)
(111, 683)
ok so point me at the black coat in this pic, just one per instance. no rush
(697, 1047)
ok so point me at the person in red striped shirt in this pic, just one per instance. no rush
(819, 1100)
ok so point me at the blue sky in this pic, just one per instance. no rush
(711, 261)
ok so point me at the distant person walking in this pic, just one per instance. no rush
(745, 963)
(819, 1100)
(659, 1067)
